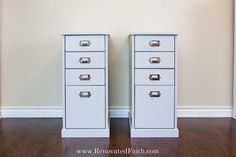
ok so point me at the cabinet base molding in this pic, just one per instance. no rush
(154, 133)
(70, 133)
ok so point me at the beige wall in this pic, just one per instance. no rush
(0, 48)
(31, 45)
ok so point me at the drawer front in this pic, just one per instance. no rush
(85, 43)
(85, 107)
(85, 77)
(85, 60)
(154, 43)
(154, 76)
(154, 107)
(154, 60)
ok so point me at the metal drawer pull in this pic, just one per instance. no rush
(155, 94)
(84, 77)
(85, 60)
(85, 94)
(154, 43)
(156, 77)
(84, 43)
(154, 59)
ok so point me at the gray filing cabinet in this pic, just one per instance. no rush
(153, 91)
(85, 85)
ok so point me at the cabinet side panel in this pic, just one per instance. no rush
(131, 81)
(176, 81)
(106, 81)
(132, 78)
(63, 83)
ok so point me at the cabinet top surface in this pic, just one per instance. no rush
(84, 33)
(154, 33)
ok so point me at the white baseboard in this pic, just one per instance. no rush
(205, 111)
(31, 112)
(119, 111)
(115, 112)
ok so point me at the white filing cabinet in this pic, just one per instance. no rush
(85, 85)
(153, 85)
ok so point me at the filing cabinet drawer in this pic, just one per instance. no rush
(85, 77)
(154, 107)
(154, 43)
(85, 107)
(85, 60)
(85, 43)
(154, 76)
(154, 60)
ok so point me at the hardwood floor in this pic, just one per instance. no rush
(199, 137)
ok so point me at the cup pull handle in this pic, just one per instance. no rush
(84, 77)
(155, 94)
(155, 60)
(155, 77)
(85, 94)
(84, 43)
(154, 43)
(84, 60)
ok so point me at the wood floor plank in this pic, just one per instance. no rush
(199, 137)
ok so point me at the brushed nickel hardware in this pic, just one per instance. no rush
(154, 59)
(156, 77)
(85, 43)
(155, 94)
(84, 60)
(85, 94)
(84, 77)
(154, 43)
